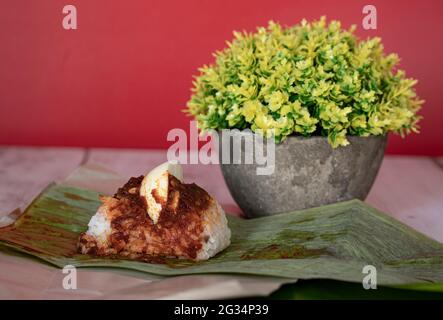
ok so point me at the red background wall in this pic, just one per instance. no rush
(121, 78)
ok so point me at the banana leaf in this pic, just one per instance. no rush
(330, 242)
(339, 290)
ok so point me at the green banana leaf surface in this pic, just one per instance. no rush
(330, 242)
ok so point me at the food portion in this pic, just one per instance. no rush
(157, 215)
(155, 188)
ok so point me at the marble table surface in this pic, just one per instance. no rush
(408, 188)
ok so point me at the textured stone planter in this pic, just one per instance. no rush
(308, 173)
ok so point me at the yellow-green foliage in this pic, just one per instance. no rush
(312, 78)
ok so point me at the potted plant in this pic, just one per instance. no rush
(330, 100)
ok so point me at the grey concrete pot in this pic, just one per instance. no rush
(308, 173)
